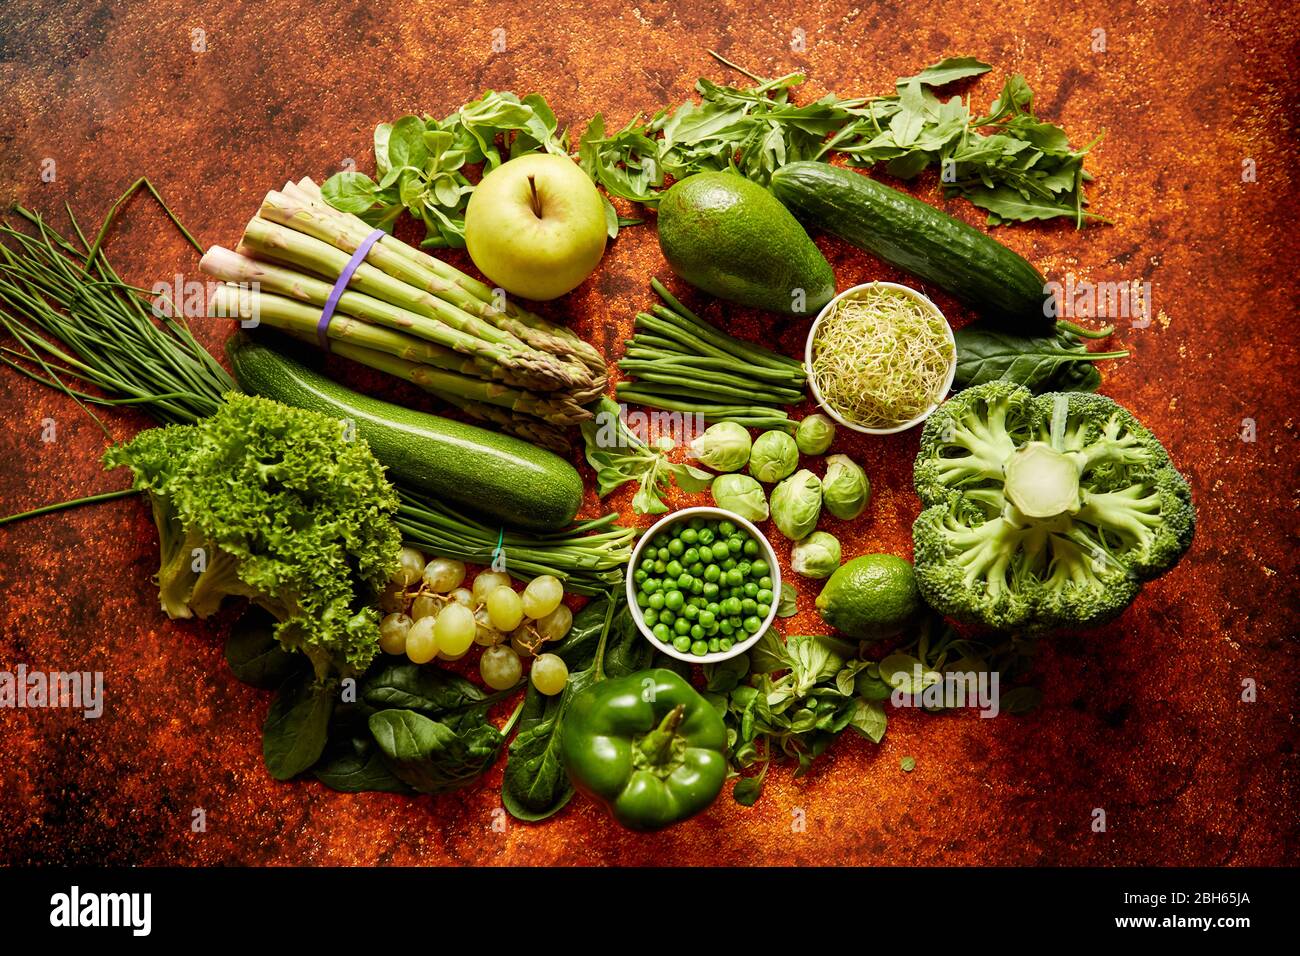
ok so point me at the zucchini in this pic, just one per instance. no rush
(498, 476)
(916, 237)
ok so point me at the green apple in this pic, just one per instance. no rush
(535, 226)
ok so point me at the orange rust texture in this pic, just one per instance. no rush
(1142, 718)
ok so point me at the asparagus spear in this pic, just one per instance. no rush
(268, 240)
(301, 207)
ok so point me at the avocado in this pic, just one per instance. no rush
(732, 238)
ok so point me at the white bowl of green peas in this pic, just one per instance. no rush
(703, 607)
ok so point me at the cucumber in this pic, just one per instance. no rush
(917, 238)
(498, 476)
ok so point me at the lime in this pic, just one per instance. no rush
(871, 597)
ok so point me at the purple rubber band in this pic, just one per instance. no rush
(327, 313)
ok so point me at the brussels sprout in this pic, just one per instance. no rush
(816, 556)
(723, 447)
(740, 494)
(814, 434)
(796, 504)
(774, 456)
(845, 489)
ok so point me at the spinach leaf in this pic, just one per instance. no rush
(1057, 362)
(352, 761)
(297, 725)
(535, 785)
(255, 656)
(430, 690)
(431, 757)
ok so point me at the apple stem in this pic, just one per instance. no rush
(537, 202)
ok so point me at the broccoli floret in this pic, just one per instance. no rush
(274, 504)
(1043, 512)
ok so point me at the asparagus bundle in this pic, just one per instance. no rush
(684, 364)
(407, 314)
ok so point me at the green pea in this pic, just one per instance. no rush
(707, 617)
(760, 568)
(751, 549)
(711, 629)
(690, 612)
(750, 589)
(748, 606)
(729, 564)
(661, 631)
(639, 575)
(725, 627)
(675, 548)
(705, 536)
(724, 644)
(734, 578)
(700, 648)
(682, 643)
(735, 545)
(710, 590)
(667, 617)
(682, 626)
(659, 567)
(763, 610)
(731, 606)
(642, 600)
(764, 581)
(764, 595)
(657, 600)
(752, 625)
(650, 585)
(712, 573)
(660, 540)
(674, 600)
(715, 645)
(690, 556)
(696, 601)
(697, 586)
(689, 535)
(684, 580)
(697, 633)
(673, 569)
(696, 523)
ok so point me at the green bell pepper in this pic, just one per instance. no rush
(648, 746)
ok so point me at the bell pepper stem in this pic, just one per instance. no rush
(657, 745)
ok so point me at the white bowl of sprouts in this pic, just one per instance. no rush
(881, 357)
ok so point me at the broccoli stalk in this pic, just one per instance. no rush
(276, 505)
(1043, 513)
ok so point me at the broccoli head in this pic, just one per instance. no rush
(1043, 512)
(277, 505)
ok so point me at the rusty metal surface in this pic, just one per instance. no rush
(1143, 718)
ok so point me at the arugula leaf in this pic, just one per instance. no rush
(618, 456)
(948, 71)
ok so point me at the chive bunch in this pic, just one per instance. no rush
(684, 364)
(103, 329)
